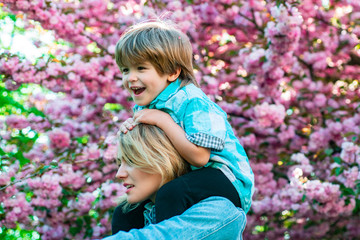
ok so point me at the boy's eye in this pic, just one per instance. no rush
(124, 70)
(141, 68)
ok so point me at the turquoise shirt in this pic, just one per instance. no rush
(206, 125)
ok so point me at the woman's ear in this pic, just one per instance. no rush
(172, 77)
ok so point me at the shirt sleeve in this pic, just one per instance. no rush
(136, 108)
(205, 124)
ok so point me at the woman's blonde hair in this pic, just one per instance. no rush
(148, 148)
(160, 43)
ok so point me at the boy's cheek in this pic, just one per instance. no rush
(127, 89)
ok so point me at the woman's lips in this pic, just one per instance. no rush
(128, 187)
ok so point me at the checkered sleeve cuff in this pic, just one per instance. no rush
(206, 141)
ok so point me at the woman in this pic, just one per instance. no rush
(148, 160)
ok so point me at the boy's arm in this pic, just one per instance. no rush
(195, 155)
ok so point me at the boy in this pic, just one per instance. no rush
(155, 59)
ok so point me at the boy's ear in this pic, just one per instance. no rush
(172, 77)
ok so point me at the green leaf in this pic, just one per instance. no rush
(337, 160)
(54, 163)
(93, 214)
(37, 112)
(348, 134)
(12, 17)
(348, 191)
(22, 160)
(329, 151)
(2, 153)
(278, 2)
(74, 230)
(29, 196)
(113, 106)
(338, 170)
(263, 59)
(84, 139)
(329, 109)
(356, 210)
(42, 170)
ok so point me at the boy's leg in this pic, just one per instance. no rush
(126, 221)
(181, 193)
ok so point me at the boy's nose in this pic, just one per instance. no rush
(132, 77)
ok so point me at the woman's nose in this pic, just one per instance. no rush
(121, 173)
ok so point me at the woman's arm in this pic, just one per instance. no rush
(195, 155)
(211, 218)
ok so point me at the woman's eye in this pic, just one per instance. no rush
(124, 70)
(118, 162)
(141, 68)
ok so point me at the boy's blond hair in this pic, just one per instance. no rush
(160, 43)
(148, 148)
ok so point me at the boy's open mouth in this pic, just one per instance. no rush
(138, 90)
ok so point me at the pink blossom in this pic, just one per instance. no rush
(351, 176)
(11, 65)
(319, 139)
(52, 232)
(18, 210)
(247, 91)
(91, 152)
(4, 178)
(59, 138)
(109, 189)
(318, 59)
(269, 114)
(84, 202)
(111, 192)
(110, 153)
(286, 134)
(350, 152)
(320, 100)
(300, 158)
(96, 175)
(351, 125)
(252, 62)
(249, 140)
(300, 55)
(72, 179)
(17, 121)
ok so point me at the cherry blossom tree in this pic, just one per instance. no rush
(286, 72)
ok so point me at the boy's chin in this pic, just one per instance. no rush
(141, 103)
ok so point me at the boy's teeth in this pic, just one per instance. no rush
(138, 90)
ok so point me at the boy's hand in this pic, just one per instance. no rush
(193, 154)
(151, 116)
(129, 124)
